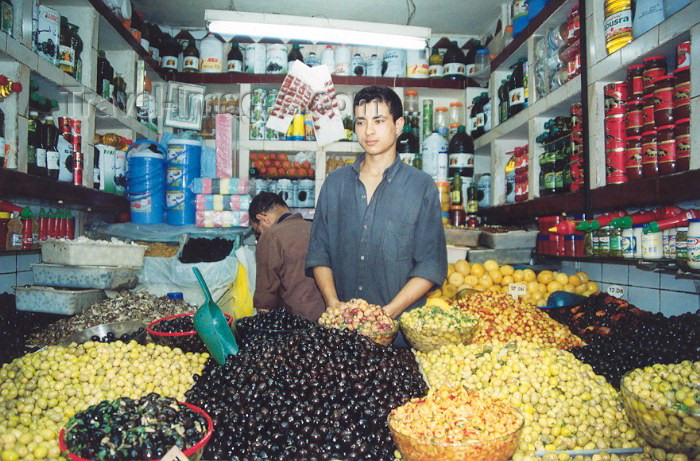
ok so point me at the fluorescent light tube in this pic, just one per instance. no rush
(317, 29)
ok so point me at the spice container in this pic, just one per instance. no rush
(635, 81)
(648, 113)
(682, 134)
(654, 67)
(650, 165)
(633, 168)
(663, 100)
(633, 117)
(681, 93)
(666, 150)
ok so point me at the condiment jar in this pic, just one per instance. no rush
(633, 168)
(4, 219)
(664, 243)
(604, 242)
(682, 135)
(666, 150)
(633, 117)
(663, 100)
(693, 244)
(628, 243)
(654, 67)
(638, 233)
(682, 245)
(635, 81)
(652, 245)
(615, 242)
(650, 166)
(672, 236)
(472, 221)
(648, 113)
(457, 215)
(681, 93)
(595, 242)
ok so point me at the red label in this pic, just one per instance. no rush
(681, 94)
(649, 152)
(634, 157)
(667, 150)
(683, 145)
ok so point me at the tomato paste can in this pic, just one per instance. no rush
(633, 117)
(634, 158)
(682, 133)
(635, 81)
(615, 127)
(654, 67)
(681, 93)
(683, 54)
(663, 100)
(615, 163)
(615, 95)
(648, 113)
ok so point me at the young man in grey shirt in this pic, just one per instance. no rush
(377, 232)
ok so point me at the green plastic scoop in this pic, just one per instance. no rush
(212, 327)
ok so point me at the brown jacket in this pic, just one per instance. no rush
(280, 279)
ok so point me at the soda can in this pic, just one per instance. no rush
(427, 117)
(258, 96)
(298, 127)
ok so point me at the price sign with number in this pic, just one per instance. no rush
(174, 454)
(517, 290)
(616, 290)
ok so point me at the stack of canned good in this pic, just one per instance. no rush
(297, 193)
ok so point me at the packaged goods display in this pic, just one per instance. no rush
(558, 54)
(326, 392)
(561, 163)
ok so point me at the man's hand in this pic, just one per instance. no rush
(392, 311)
(333, 303)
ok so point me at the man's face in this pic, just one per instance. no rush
(375, 127)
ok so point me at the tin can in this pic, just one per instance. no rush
(257, 97)
(258, 114)
(635, 81)
(654, 67)
(633, 166)
(427, 118)
(276, 58)
(257, 130)
(270, 98)
(616, 160)
(615, 127)
(681, 93)
(271, 135)
(615, 95)
(682, 133)
(633, 117)
(663, 100)
(298, 127)
(683, 54)
(648, 113)
(76, 126)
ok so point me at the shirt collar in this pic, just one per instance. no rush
(283, 217)
(389, 173)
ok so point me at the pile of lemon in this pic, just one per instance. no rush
(491, 276)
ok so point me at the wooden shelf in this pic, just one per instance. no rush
(235, 78)
(653, 191)
(571, 202)
(17, 184)
(517, 48)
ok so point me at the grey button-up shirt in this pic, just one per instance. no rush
(374, 249)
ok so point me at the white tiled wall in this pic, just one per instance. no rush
(648, 290)
(16, 269)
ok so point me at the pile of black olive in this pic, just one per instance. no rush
(134, 429)
(270, 324)
(653, 339)
(110, 337)
(16, 326)
(317, 395)
(198, 250)
(182, 324)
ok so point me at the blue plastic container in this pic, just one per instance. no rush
(145, 182)
(534, 7)
(184, 162)
(520, 16)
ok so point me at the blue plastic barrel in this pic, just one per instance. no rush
(183, 165)
(145, 182)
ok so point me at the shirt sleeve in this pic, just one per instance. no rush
(267, 277)
(430, 252)
(319, 242)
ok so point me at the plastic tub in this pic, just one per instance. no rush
(194, 453)
(462, 237)
(91, 253)
(51, 300)
(506, 240)
(118, 328)
(498, 449)
(101, 277)
(188, 341)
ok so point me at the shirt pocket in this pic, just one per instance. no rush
(397, 241)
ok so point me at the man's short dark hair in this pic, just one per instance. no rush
(262, 203)
(382, 94)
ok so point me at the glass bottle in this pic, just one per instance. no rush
(50, 139)
(234, 60)
(41, 169)
(453, 63)
(77, 45)
(190, 58)
(66, 53)
(435, 69)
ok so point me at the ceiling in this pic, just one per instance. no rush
(455, 17)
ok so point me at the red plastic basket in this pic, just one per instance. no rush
(188, 341)
(190, 452)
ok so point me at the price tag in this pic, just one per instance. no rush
(616, 290)
(174, 454)
(516, 290)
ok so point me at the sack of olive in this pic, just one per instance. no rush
(367, 319)
(320, 395)
(39, 392)
(501, 318)
(136, 429)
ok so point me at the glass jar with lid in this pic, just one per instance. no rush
(456, 114)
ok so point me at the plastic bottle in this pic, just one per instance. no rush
(487, 112)
(516, 90)
(520, 16)
(484, 187)
(26, 217)
(460, 155)
(13, 241)
(675, 221)
(599, 222)
(472, 46)
(454, 63)
(628, 243)
(652, 244)
(648, 14)
(328, 58)
(442, 123)
(435, 66)
(482, 60)
(357, 65)
(312, 60)
(567, 227)
(343, 57)
(211, 54)
(510, 180)
(434, 146)
(456, 113)
(618, 24)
